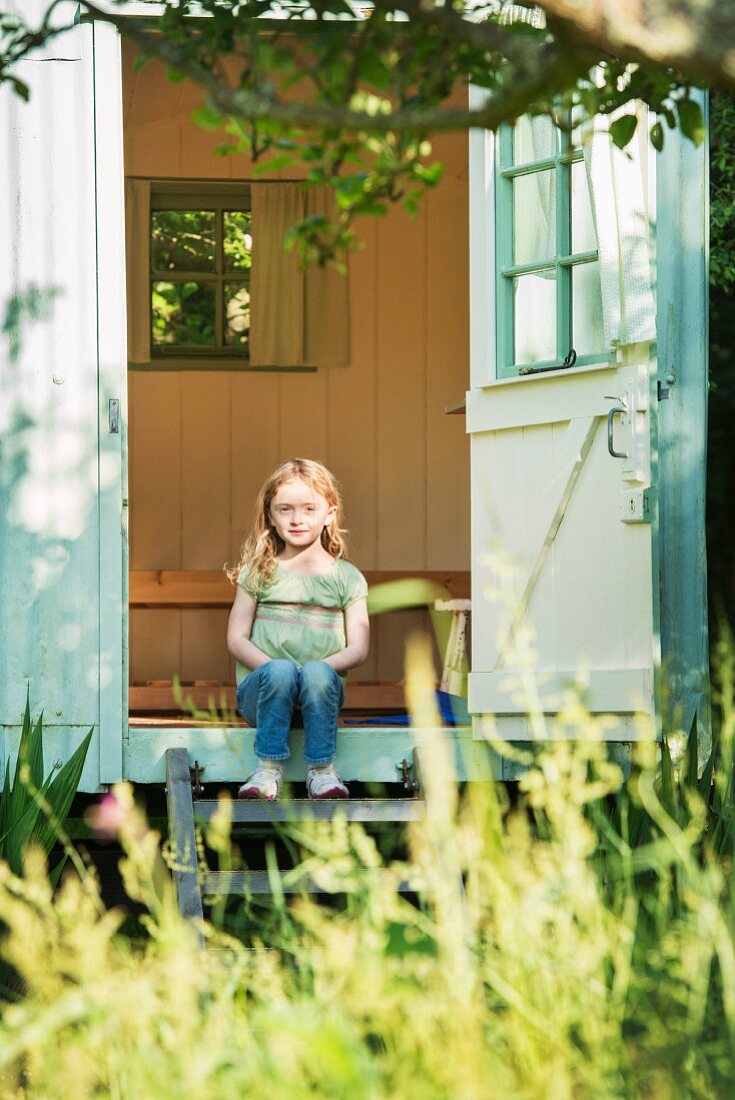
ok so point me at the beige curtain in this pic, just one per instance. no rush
(298, 318)
(137, 259)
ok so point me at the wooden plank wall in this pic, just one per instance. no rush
(201, 443)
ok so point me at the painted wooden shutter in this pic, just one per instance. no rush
(62, 400)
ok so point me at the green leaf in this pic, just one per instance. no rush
(657, 136)
(691, 120)
(20, 88)
(622, 129)
(60, 794)
(668, 798)
(207, 118)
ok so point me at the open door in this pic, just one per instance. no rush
(563, 452)
(62, 402)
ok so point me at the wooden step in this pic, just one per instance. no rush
(182, 812)
(158, 696)
(258, 811)
(219, 883)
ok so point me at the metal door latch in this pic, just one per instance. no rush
(619, 408)
(113, 410)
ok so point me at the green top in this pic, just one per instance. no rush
(301, 618)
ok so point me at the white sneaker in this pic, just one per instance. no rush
(325, 783)
(263, 783)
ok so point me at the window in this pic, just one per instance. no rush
(548, 278)
(200, 259)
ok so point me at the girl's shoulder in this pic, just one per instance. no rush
(352, 582)
(248, 580)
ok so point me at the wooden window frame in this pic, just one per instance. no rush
(563, 262)
(218, 195)
(213, 195)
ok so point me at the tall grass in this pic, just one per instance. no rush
(580, 943)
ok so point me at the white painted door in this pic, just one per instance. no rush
(563, 547)
(62, 401)
(563, 459)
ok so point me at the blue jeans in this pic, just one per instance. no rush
(267, 698)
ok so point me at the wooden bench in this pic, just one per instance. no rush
(168, 588)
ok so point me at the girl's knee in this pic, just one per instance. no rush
(318, 673)
(280, 672)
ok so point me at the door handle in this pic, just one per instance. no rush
(610, 418)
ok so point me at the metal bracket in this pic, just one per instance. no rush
(408, 783)
(662, 391)
(196, 774)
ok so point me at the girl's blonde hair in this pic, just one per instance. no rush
(262, 546)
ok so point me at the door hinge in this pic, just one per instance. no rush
(663, 391)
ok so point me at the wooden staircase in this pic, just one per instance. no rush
(192, 889)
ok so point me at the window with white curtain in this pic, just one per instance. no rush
(548, 277)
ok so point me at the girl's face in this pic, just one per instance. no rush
(299, 514)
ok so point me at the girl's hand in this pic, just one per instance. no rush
(357, 635)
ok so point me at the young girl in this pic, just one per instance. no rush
(298, 623)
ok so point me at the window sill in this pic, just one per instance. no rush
(564, 372)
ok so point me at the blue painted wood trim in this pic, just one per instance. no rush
(364, 753)
(682, 204)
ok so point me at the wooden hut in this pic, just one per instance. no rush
(571, 492)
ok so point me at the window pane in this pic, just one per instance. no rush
(584, 238)
(587, 332)
(183, 314)
(182, 240)
(534, 317)
(237, 314)
(237, 240)
(534, 209)
(533, 139)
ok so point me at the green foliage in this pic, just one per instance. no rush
(355, 94)
(576, 943)
(722, 191)
(32, 808)
(32, 304)
(720, 481)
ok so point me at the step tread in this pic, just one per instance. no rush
(217, 883)
(254, 810)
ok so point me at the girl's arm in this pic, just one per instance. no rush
(239, 625)
(357, 634)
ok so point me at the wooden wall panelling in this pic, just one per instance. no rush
(153, 150)
(401, 415)
(155, 644)
(154, 447)
(152, 95)
(304, 416)
(197, 148)
(255, 446)
(155, 469)
(204, 653)
(205, 507)
(447, 376)
(352, 419)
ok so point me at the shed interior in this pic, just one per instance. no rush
(201, 442)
